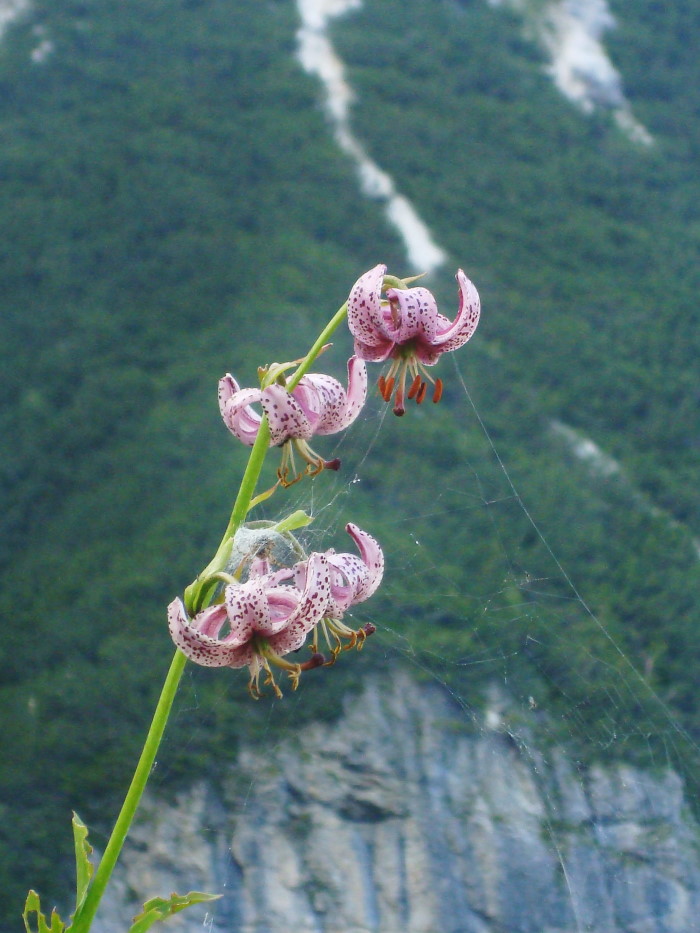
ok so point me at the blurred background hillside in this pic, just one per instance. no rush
(174, 205)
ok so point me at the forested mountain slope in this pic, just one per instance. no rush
(173, 206)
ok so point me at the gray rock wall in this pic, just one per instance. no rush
(395, 821)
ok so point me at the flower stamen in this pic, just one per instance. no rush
(415, 386)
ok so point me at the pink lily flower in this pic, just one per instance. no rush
(258, 623)
(353, 579)
(407, 328)
(271, 614)
(317, 405)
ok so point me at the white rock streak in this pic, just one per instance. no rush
(10, 10)
(587, 450)
(318, 57)
(44, 48)
(605, 466)
(571, 32)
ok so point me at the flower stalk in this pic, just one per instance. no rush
(86, 914)
(198, 595)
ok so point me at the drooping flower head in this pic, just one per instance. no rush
(257, 622)
(317, 405)
(407, 328)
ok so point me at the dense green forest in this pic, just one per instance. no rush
(173, 207)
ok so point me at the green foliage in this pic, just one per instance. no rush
(173, 207)
(160, 908)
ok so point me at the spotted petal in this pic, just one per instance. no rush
(372, 557)
(312, 606)
(456, 334)
(285, 414)
(367, 316)
(234, 405)
(416, 315)
(249, 611)
(336, 408)
(353, 579)
(197, 638)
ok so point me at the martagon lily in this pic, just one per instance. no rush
(317, 405)
(271, 614)
(258, 622)
(407, 328)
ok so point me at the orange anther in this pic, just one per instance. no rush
(415, 386)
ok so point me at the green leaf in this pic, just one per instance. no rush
(33, 906)
(83, 866)
(298, 519)
(160, 908)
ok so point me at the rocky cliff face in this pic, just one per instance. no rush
(395, 821)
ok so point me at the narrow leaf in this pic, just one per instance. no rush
(33, 906)
(83, 866)
(298, 519)
(160, 908)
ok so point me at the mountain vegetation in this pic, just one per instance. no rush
(173, 207)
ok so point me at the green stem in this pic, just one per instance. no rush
(86, 914)
(310, 357)
(249, 482)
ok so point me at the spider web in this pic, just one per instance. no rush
(535, 660)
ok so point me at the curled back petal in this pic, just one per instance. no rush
(312, 606)
(376, 353)
(373, 558)
(285, 414)
(291, 638)
(282, 601)
(244, 656)
(247, 608)
(234, 405)
(338, 407)
(356, 394)
(365, 313)
(464, 325)
(416, 314)
(347, 580)
(202, 648)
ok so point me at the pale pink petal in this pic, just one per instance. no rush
(347, 580)
(312, 607)
(234, 405)
(338, 408)
(246, 605)
(310, 400)
(285, 415)
(198, 647)
(374, 354)
(353, 579)
(365, 312)
(464, 325)
(282, 601)
(416, 314)
(245, 656)
(356, 394)
(289, 639)
(372, 557)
